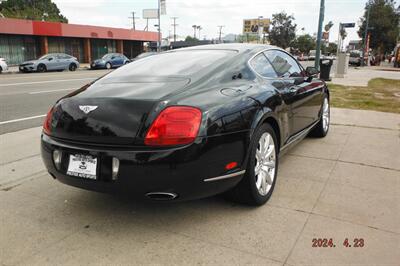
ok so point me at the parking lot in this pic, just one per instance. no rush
(345, 186)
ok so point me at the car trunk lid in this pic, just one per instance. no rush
(110, 112)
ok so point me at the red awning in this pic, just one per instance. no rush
(41, 28)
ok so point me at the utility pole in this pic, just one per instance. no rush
(133, 20)
(319, 36)
(220, 32)
(159, 27)
(365, 38)
(174, 25)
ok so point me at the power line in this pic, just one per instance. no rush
(174, 25)
(220, 31)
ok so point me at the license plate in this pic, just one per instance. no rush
(82, 166)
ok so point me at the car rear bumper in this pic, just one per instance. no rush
(190, 172)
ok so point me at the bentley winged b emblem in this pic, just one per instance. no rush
(87, 108)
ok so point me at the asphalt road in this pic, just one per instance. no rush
(26, 98)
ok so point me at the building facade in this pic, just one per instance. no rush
(22, 40)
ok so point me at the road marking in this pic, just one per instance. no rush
(40, 82)
(38, 75)
(38, 92)
(21, 119)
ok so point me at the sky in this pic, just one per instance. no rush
(211, 13)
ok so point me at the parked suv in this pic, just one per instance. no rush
(3, 65)
(50, 62)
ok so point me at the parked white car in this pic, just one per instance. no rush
(3, 65)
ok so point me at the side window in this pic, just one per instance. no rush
(283, 64)
(261, 65)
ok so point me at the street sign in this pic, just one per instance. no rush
(348, 25)
(150, 13)
(253, 25)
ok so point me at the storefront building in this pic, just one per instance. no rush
(22, 40)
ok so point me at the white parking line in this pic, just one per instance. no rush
(39, 82)
(21, 119)
(38, 92)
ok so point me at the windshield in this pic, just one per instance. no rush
(45, 56)
(355, 54)
(106, 56)
(182, 63)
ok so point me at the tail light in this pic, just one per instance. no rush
(47, 122)
(175, 125)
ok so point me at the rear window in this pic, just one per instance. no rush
(182, 63)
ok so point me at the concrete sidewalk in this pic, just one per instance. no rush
(357, 76)
(343, 186)
(360, 76)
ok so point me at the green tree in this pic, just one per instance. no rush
(191, 39)
(304, 43)
(383, 25)
(331, 49)
(247, 38)
(32, 9)
(283, 31)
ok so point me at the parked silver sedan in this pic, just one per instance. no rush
(50, 62)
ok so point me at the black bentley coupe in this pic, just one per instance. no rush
(187, 124)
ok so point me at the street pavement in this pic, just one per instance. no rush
(26, 98)
(344, 186)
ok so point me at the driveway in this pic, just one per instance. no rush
(346, 185)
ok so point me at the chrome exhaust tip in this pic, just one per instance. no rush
(161, 195)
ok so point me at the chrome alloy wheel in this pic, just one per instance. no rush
(264, 170)
(325, 115)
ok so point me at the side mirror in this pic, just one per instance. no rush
(51, 58)
(112, 58)
(312, 71)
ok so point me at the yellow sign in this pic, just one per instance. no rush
(253, 25)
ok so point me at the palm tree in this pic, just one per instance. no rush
(194, 31)
(199, 28)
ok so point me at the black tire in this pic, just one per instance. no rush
(1, 69)
(41, 68)
(72, 67)
(246, 191)
(108, 65)
(320, 131)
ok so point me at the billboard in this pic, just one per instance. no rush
(150, 13)
(253, 25)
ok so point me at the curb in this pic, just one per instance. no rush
(12, 72)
